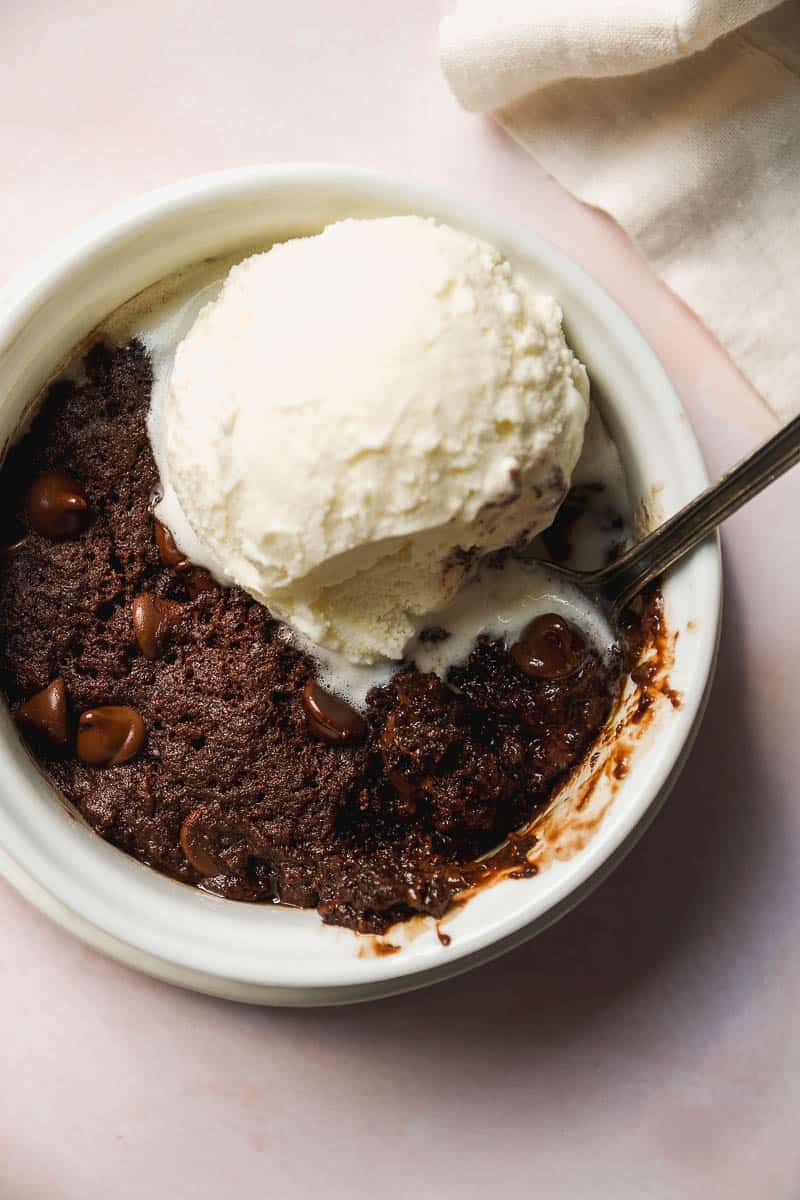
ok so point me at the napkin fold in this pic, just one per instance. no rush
(682, 120)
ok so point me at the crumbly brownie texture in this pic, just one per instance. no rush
(232, 768)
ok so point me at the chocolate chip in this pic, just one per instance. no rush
(199, 581)
(153, 618)
(109, 735)
(197, 845)
(45, 713)
(57, 506)
(330, 718)
(171, 556)
(549, 648)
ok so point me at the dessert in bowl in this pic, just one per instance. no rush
(224, 742)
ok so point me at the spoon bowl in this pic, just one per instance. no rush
(611, 589)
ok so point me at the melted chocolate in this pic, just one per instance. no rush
(330, 718)
(549, 648)
(57, 505)
(109, 735)
(153, 619)
(168, 550)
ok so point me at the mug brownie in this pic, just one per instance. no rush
(365, 430)
(178, 719)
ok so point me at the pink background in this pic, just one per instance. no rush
(647, 1046)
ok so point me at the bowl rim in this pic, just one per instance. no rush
(20, 299)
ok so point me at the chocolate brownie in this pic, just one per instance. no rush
(176, 716)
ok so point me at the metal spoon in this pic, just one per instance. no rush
(613, 587)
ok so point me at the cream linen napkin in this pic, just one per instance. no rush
(682, 120)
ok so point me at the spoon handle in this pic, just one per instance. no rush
(626, 577)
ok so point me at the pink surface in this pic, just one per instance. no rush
(646, 1046)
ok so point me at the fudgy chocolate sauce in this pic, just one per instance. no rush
(331, 719)
(549, 648)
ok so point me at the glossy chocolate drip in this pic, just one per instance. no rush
(171, 556)
(331, 719)
(549, 648)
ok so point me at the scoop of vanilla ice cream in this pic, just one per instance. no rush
(360, 415)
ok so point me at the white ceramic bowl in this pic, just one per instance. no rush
(276, 956)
